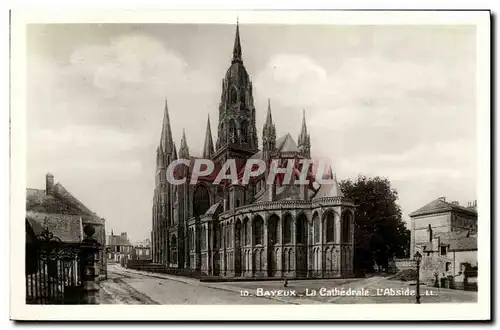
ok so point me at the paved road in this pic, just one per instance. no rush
(132, 287)
(124, 287)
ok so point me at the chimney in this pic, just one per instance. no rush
(442, 199)
(49, 184)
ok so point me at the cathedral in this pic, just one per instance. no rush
(258, 230)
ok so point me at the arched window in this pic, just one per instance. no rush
(330, 227)
(234, 95)
(287, 229)
(232, 131)
(242, 97)
(301, 229)
(258, 230)
(317, 233)
(273, 231)
(244, 131)
(201, 200)
(173, 249)
(346, 227)
(248, 238)
(237, 234)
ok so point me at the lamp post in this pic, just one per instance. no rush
(418, 259)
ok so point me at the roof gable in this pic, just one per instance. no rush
(440, 205)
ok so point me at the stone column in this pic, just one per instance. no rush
(266, 248)
(293, 261)
(88, 265)
(321, 253)
(250, 255)
(338, 241)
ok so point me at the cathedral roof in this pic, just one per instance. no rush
(286, 144)
(329, 190)
(217, 207)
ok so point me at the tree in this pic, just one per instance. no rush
(379, 232)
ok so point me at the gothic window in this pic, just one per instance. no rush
(273, 231)
(346, 228)
(244, 131)
(287, 229)
(248, 236)
(258, 230)
(316, 228)
(173, 249)
(245, 232)
(201, 200)
(301, 229)
(330, 227)
(237, 234)
(232, 131)
(234, 95)
(242, 97)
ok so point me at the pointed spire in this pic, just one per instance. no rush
(184, 150)
(174, 154)
(303, 136)
(166, 141)
(237, 44)
(208, 149)
(269, 119)
(304, 126)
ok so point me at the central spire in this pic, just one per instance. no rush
(237, 45)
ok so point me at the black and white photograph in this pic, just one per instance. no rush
(235, 160)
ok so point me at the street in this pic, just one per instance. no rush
(128, 287)
(125, 286)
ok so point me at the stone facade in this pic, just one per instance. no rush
(443, 217)
(257, 230)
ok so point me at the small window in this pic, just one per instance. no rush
(443, 250)
(448, 266)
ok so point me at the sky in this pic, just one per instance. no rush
(391, 101)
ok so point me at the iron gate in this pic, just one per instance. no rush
(52, 271)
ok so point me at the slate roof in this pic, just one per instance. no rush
(329, 190)
(213, 209)
(68, 228)
(60, 202)
(439, 205)
(286, 144)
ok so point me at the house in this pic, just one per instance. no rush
(444, 217)
(142, 250)
(450, 259)
(119, 247)
(56, 211)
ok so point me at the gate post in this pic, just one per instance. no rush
(88, 266)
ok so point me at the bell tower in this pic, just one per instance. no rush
(236, 131)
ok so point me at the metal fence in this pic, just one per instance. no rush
(52, 271)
